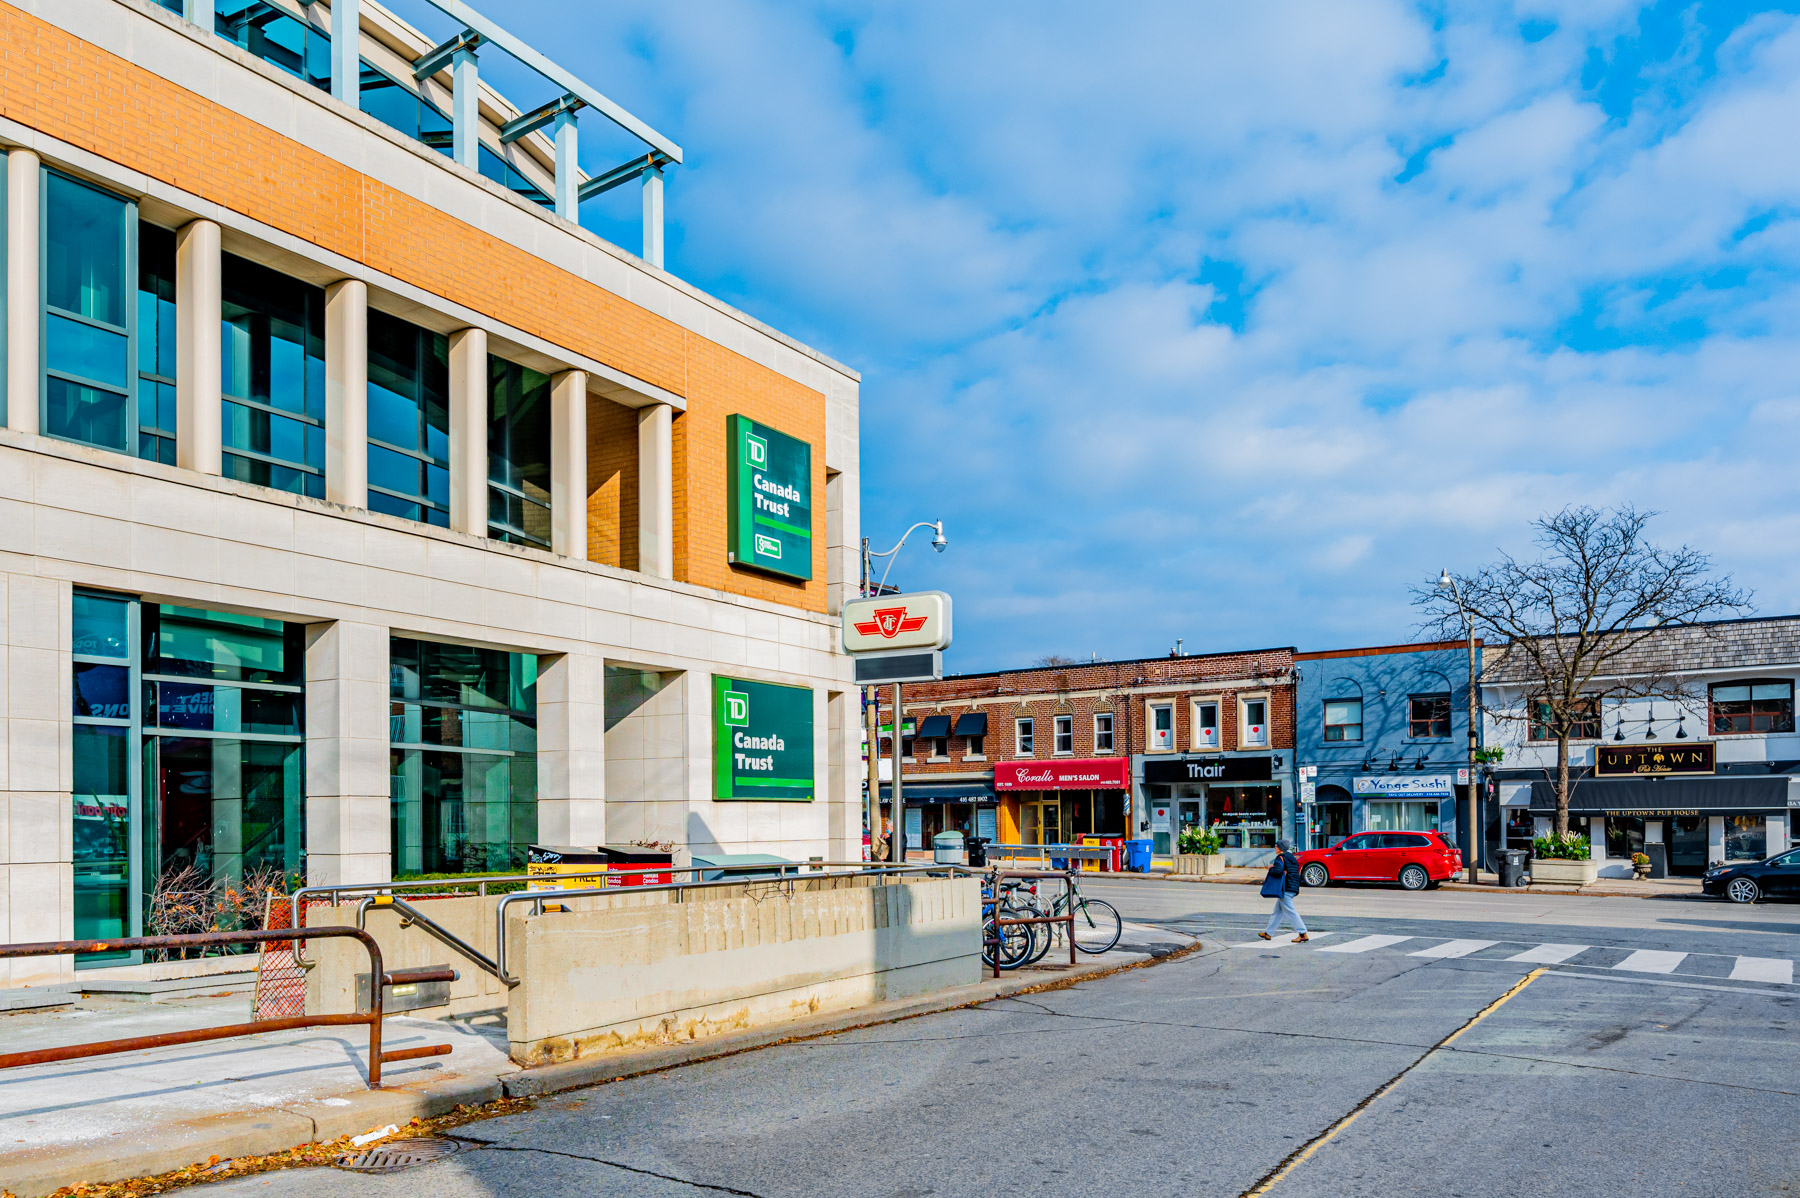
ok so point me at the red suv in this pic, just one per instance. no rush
(1413, 859)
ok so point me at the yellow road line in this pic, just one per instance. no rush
(1300, 1155)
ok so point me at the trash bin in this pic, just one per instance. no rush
(1511, 865)
(1137, 853)
(978, 850)
(947, 848)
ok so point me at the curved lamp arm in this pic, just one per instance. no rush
(938, 542)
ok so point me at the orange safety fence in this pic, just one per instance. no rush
(280, 981)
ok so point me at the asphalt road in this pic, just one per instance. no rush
(1348, 1066)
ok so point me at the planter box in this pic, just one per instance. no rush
(1200, 863)
(1561, 871)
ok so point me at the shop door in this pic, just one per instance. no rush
(1031, 828)
(1687, 845)
(1330, 824)
(1050, 820)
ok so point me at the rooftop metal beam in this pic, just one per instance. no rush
(531, 122)
(458, 10)
(438, 57)
(620, 175)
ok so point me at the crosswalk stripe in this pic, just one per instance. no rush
(1763, 969)
(1454, 948)
(1650, 960)
(1364, 944)
(1550, 954)
(1284, 938)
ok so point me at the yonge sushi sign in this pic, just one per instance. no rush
(770, 515)
(762, 740)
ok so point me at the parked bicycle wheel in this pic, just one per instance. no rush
(1097, 925)
(1004, 947)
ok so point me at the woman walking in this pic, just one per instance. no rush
(1282, 884)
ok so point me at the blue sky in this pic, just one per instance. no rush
(1230, 322)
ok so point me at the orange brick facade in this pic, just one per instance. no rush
(81, 94)
(612, 485)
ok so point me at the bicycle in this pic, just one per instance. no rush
(1006, 947)
(1097, 924)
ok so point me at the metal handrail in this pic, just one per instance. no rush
(372, 1018)
(538, 897)
(412, 915)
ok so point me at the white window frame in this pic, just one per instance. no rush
(975, 748)
(1108, 717)
(1150, 709)
(1218, 741)
(1061, 726)
(1024, 737)
(1243, 738)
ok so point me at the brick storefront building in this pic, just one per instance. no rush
(1118, 748)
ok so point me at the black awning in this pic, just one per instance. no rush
(933, 726)
(1669, 796)
(971, 723)
(942, 792)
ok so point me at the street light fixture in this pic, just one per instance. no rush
(872, 713)
(1447, 583)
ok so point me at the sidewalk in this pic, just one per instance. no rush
(140, 1114)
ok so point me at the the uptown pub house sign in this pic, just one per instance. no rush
(1633, 761)
(769, 520)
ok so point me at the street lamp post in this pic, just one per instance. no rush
(1447, 583)
(872, 717)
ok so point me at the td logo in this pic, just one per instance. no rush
(737, 709)
(756, 451)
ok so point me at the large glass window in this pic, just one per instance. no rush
(409, 420)
(1746, 838)
(156, 344)
(1753, 707)
(400, 108)
(105, 733)
(277, 38)
(1343, 719)
(87, 254)
(273, 374)
(518, 454)
(463, 737)
(1404, 816)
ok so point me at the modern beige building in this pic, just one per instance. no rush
(360, 513)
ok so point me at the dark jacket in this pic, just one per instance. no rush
(1286, 866)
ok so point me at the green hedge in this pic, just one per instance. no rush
(1572, 847)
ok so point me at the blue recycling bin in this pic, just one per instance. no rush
(1137, 856)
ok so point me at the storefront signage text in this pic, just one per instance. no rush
(1404, 786)
(1208, 769)
(1634, 760)
(770, 516)
(1080, 774)
(763, 740)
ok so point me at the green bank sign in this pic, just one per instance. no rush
(770, 477)
(763, 740)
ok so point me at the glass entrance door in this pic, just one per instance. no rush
(1687, 845)
(1050, 820)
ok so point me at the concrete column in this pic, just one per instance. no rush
(36, 774)
(653, 216)
(568, 464)
(347, 393)
(567, 143)
(200, 12)
(1715, 838)
(468, 431)
(24, 300)
(1597, 837)
(347, 799)
(656, 491)
(572, 749)
(1776, 829)
(465, 114)
(346, 46)
(199, 307)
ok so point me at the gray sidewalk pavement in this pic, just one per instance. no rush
(149, 1112)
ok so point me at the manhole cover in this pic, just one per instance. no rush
(398, 1154)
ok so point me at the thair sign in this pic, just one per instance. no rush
(770, 516)
(919, 620)
(763, 740)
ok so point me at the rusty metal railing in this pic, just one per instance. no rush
(373, 1017)
(1068, 917)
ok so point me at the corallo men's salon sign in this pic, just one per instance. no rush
(1631, 761)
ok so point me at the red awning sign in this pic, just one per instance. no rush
(1089, 773)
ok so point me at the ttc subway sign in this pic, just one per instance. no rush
(920, 620)
(769, 524)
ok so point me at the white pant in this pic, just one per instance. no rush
(1284, 908)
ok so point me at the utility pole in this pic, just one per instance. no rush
(1447, 583)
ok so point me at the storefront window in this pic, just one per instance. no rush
(102, 801)
(1404, 816)
(463, 736)
(1624, 835)
(1746, 838)
(1246, 817)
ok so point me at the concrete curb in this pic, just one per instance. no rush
(38, 1172)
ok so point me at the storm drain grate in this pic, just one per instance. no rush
(399, 1154)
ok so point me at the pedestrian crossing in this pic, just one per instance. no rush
(1776, 970)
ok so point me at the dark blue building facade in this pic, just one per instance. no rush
(1381, 739)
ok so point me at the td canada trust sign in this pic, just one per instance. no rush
(769, 475)
(763, 740)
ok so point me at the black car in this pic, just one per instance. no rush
(1778, 877)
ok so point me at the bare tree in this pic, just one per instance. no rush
(1581, 623)
(1055, 659)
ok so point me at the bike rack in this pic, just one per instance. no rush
(1068, 880)
(373, 1017)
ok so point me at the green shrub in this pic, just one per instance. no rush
(1572, 847)
(1199, 840)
